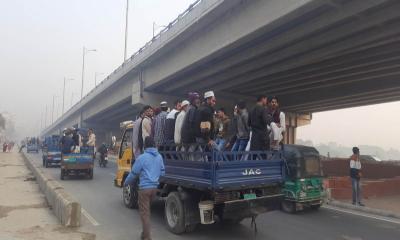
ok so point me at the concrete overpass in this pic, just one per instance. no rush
(316, 55)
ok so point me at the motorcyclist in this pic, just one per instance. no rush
(103, 153)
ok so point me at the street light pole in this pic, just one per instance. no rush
(83, 66)
(45, 118)
(126, 28)
(70, 79)
(52, 110)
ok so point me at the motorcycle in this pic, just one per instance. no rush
(103, 160)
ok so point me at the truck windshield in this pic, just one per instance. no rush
(312, 166)
(126, 142)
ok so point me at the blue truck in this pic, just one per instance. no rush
(78, 163)
(205, 187)
(32, 145)
(51, 152)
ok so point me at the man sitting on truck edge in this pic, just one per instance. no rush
(148, 167)
(222, 123)
(278, 124)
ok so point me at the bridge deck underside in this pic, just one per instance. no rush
(336, 54)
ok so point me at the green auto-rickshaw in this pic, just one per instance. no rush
(303, 183)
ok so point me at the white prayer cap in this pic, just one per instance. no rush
(184, 103)
(209, 94)
(163, 104)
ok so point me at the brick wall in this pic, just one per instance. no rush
(340, 187)
(370, 170)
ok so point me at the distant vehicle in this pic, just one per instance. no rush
(32, 145)
(304, 183)
(218, 186)
(78, 163)
(51, 152)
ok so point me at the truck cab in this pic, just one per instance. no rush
(304, 182)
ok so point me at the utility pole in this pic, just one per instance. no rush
(52, 111)
(126, 28)
(45, 118)
(83, 66)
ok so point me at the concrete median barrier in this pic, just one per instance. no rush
(65, 207)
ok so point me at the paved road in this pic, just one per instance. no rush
(108, 217)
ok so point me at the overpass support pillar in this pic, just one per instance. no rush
(294, 120)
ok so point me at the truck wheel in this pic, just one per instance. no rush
(130, 196)
(174, 213)
(288, 206)
(315, 207)
(62, 174)
(90, 173)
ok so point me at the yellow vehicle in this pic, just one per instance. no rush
(124, 165)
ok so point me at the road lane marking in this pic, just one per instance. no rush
(90, 218)
(386, 219)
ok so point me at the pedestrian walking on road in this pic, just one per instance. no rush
(148, 167)
(355, 174)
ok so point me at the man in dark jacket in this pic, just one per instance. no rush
(204, 123)
(259, 119)
(188, 135)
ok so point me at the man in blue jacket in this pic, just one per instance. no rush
(148, 167)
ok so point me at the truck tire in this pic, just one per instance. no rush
(288, 206)
(62, 174)
(315, 207)
(130, 196)
(90, 173)
(174, 213)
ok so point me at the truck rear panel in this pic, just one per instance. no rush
(223, 171)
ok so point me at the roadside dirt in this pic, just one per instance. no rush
(24, 213)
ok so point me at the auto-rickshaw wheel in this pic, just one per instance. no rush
(289, 206)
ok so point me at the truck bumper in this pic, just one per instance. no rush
(245, 208)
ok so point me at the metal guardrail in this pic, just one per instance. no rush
(133, 56)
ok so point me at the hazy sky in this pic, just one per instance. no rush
(41, 43)
(371, 125)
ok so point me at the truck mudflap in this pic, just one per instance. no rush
(244, 208)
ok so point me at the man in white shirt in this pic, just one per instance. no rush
(355, 174)
(278, 124)
(179, 123)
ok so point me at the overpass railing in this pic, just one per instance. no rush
(138, 52)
